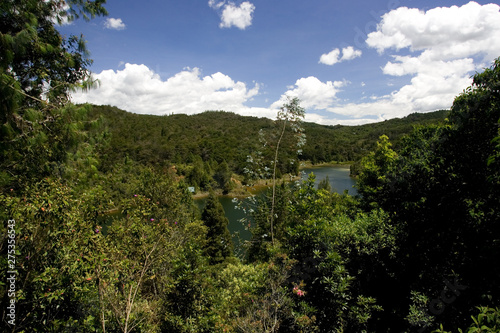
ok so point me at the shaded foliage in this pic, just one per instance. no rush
(442, 189)
(107, 238)
(337, 250)
(220, 244)
(38, 69)
(218, 136)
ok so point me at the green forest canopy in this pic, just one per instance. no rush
(218, 136)
(417, 250)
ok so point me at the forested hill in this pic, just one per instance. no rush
(101, 233)
(224, 136)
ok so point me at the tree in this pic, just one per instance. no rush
(58, 244)
(338, 254)
(219, 244)
(223, 177)
(291, 114)
(38, 69)
(136, 271)
(488, 320)
(34, 55)
(376, 166)
(441, 189)
(325, 184)
(198, 175)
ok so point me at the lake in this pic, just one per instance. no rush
(339, 177)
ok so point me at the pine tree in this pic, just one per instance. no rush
(38, 69)
(219, 245)
(325, 184)
(223, 177)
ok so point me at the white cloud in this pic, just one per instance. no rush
(320, 119)
(348, 53)
(442, 49)
(438, 50)
(312, 93)
(330, 58)
(215, 5)
(443, 32)
(114, 23)
(234, 15)
(138, 89)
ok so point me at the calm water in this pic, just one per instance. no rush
(339, 180)
(338, 176)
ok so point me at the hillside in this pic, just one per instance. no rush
(101, 232)
(350, 143)
(224, 136)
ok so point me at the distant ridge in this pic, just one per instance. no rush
(225, 136)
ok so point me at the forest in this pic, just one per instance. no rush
(99, 231)
(209, 147)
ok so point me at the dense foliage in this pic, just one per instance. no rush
(197, 145)
(38, 68)
(101, 230)
(219, 243)
(442, 190)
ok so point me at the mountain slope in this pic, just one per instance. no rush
(224, 136)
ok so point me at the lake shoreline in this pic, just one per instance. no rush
(309, 165)
(241, 191)
(244, 191)
(339, 180)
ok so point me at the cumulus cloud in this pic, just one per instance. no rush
(234, 15)
(330, 58)
(138, 89)
(333, 57)
(215, 4)
(313, 93)
(114, 24)
(362, 113)
(443, 47)
(321, 119)
(349, 53)
(438, 50)
(443, 32)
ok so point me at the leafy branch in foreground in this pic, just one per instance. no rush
(290, 117)
(291, 113)
(38, 69)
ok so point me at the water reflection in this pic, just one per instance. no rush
(340, 180)
(339, 177)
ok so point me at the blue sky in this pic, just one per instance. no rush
(349, 62)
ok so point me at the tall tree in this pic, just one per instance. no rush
(375, 168)
(290, 114)
(325, 184)
(38, 69)
(223, 177)
(219, 244)
(37, 64)
(442, 191)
